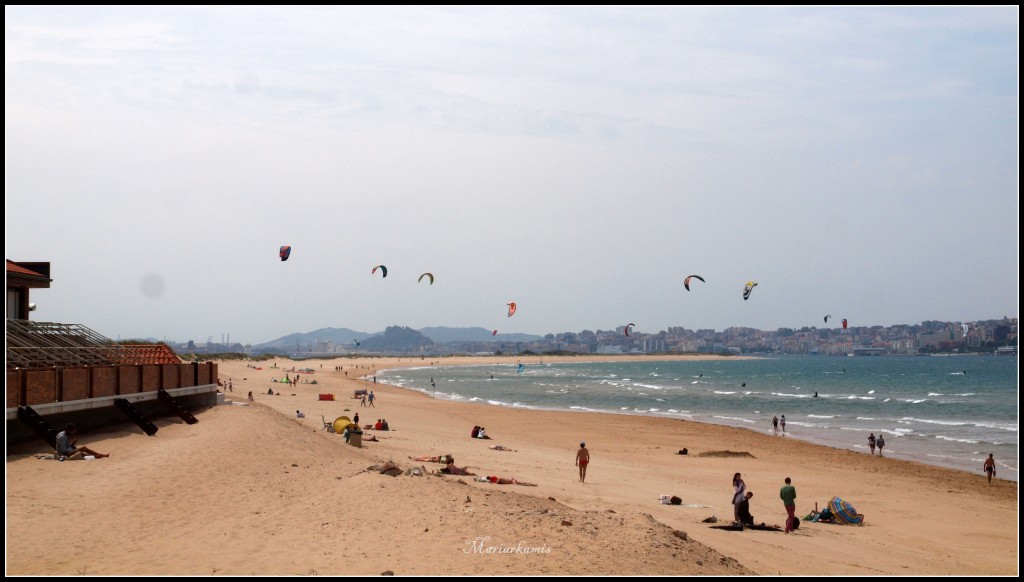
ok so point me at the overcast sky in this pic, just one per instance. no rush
(859, 162)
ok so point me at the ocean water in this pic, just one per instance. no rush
(947, 411)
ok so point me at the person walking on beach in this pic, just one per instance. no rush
(775, 424)
(881, 443)
(990, 468)
(739, 489)
(363, 401)
(871, 443)
(582, 460)
(782, 421)
(371, 398)
(788, 496)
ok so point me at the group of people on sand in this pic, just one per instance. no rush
(873, 442)
(381, 424)
(776, 422)
(741, 503)
(479, 432)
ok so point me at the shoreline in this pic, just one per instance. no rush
(919, 457)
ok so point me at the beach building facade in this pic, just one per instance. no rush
(59, 373)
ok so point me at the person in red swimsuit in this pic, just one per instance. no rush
(582, 460)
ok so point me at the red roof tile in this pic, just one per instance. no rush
(13, 267)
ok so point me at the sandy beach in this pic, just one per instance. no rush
(252, 490)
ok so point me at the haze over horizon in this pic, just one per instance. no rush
(859, 162)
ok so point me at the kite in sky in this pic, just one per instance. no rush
(430, 275)
(750, 287)
(383, 270)
(826, 318)
(286, 251)
(511, 309)
(686, 281)
(628, 325)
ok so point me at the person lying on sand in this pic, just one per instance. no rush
(451, 469)
(504, 481)
(502, 448)
(435, 458)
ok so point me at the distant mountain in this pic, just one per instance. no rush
(343, 336)
(396, 339)
(447, 335)
(340, 336)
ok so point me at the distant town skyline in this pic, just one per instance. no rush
(579, 161)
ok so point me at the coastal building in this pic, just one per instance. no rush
(21, 278)
(59, 372)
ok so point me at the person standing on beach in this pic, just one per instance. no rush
(871, 443)
(582, 460)
(739, 488)
(782, 422)
(990, 468)
(881, 443)
(363, 401)
(788, 496)
(371, 398)
(775, 423)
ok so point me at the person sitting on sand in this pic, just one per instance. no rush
(482, 434)
(300, 414)
(505, 481)
(476, 431)
(377, 425)
(384, 424)
(66, 445)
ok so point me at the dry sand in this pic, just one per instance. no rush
(250, 489)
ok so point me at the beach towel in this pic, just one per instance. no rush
(844, 512)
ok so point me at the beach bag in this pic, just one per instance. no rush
(795, 523)
(675, 500)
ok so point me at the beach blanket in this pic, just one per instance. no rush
(844, 512)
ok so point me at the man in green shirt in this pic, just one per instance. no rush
(788, 496)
